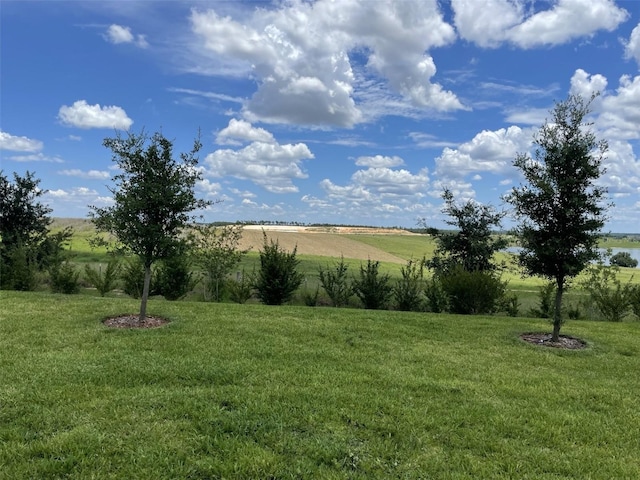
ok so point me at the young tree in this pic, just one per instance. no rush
(216, 250)
(154, 197)
(26, 244)
(473, 245)
(278, 277)
(560, 208)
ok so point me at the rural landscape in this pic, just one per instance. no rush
(141, 343)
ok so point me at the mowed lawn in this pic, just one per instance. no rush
(248, 391)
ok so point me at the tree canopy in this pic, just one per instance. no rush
(473, 244)
(560, 208)
(153, 198)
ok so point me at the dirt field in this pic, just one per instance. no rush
(316, 241)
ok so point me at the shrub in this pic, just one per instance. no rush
(510, 305)
(408, 290)
(546, 301)
(104, 281)
(174, 278)
(336, 284)
(623, 259)
(310, 297)
(132, 276)
(241, 289)
(608, 295)
(472, 292)
(373, 289)
(634, 296)
(216, 251)
(278, 277)
(18, 269)
(65, 278)
(437, 299)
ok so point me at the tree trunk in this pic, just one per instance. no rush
(145, 293)
(557, 312)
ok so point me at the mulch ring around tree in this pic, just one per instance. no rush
(133, 321)
(544, 339)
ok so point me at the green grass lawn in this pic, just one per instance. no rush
(248, 391)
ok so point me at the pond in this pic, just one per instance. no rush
(634, 252)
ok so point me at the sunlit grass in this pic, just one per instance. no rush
(248, 391)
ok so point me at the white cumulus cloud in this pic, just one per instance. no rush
(632, 47)
(491, 22)
(269, 165)
(18, 144)
(88, 174)
(119, 34)
(83, 115)
(241, 131)
(489, 151)
(299, 52)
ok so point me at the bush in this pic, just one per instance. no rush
(174, 278)
(472, 292)
(278, 277)
(241, 289)
(373, 289)
(132, 276)
(216, 251)
(611, 299)
(336, 284)
(408, 290)
(104, 281)
(310, 297)
(65, 278)
(634, 296)
(510, 305)
(18, 269)
(623, 259)
(546, 301)
(437, 299)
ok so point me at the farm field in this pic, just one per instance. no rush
(249, 391)
(322, 247)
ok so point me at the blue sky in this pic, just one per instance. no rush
(345, 111)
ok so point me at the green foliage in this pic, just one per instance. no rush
(372, 288)
(174, 278)
(26, 246)
(104, 280)
(408, 291)
(23, 219)
(241, 289)
(546, 305)
(634, 298)
(278, 278)
(509, 304)
(18, 268)
(311, 296)
(154, 197)
(472, 292)
(132, 277)
(611, 299)
(560, 208)
(623, 259)
(336, 283)
(65, 278)
(216, 252)
(437, 298)
(473, 245)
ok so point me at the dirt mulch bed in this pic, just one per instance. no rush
(133, 321)
(544, 339)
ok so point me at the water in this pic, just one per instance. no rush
(634, 252)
